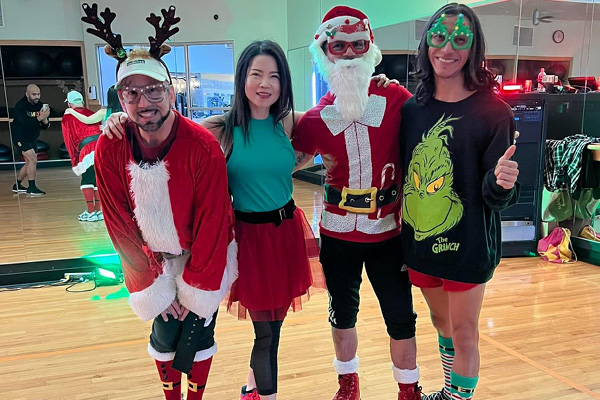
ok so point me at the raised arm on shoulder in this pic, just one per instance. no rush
(214, 124)
(290, 120)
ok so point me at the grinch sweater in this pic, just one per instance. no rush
(451, 205)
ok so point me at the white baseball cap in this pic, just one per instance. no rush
(147, 66)
(74, 97)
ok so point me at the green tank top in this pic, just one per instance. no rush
(260, 169)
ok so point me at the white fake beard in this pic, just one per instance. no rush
(349, 81)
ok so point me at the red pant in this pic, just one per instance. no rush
(425, 281)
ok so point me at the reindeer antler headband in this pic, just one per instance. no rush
(115, 46)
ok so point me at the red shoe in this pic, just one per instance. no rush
(349, 389)
(409, 391)
(251, 395)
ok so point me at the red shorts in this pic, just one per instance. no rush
(425, 281)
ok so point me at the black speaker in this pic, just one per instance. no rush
(521, 222)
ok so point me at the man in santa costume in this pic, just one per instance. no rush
(167, 211)
(355, 128)
(81, 130)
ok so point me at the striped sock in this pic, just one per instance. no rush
(447, 356)
(462, 386)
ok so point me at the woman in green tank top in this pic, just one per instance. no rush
(274, 238)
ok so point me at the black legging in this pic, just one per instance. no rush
(263, 360)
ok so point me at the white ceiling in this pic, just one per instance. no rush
(561, 10)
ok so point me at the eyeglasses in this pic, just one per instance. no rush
(152, 93)
(457, 41)
(339, 47)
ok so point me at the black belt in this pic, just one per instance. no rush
(88, 140)
(383, 197)
(275, 216)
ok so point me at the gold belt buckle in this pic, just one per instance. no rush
(167, 385)
(371, 200)
(193, 386)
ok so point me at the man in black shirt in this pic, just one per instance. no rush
(29, 116)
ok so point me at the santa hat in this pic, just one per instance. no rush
(347, 24)
(344, 23)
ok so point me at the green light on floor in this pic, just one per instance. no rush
(96, 298)
(106, 274)
(104, 259)
(120, 294)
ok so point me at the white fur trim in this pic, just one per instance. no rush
(83, 165)
(205, 354)
(86, 187)
(158, 356)
(346, 367)
(150, 189)
(200, 355)
(337, 21)
(153, 300)
(96, 117)
(204, 303)
(406, 376)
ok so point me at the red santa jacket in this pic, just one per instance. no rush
(359, 155)
(78, 124)
(178, 204)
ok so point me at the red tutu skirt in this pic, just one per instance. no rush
(278, 268)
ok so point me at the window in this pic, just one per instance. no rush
(202, 76)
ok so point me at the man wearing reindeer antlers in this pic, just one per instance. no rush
(167, 210)
(355, 127)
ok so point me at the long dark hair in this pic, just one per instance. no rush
(475, 72)
(240, 114)
(112, 101)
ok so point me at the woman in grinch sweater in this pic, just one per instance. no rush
(456, 149)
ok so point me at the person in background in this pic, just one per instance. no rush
(81, 129)
(29, 116)
(540, 79)
(456, 144)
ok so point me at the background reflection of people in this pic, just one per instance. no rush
(112, 102)
(540, 78)
(81, 129)
(30, 115)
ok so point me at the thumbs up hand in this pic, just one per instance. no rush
(507, 170)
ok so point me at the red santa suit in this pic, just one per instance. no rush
(81, 125)
(180, 206)
(362, 156)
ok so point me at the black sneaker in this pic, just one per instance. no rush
(19, 188)
(441, 395)
(35, 191)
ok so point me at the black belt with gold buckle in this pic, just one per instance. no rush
(361, 200)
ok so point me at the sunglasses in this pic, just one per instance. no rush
(457, 41)
(339, 47)
(152, 93)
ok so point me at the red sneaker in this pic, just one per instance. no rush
(251, 395)
(349, 389)
(409, 391)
